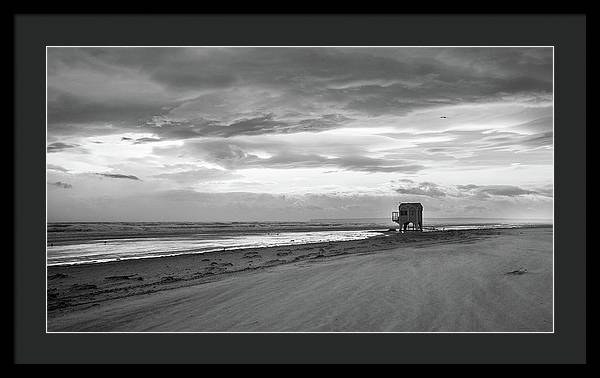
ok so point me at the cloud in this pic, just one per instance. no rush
(67, 112)
(428, 189)
(546, 190)
(483, 192)
(518, 140)
(191, 77)
(198, 175)
(222, 119)
(62, 185)
(146, 140)
(350, 163)
(237, 155)
(58, 168)
(252, 126)
(497, 190)
(505, 190)
(190, 205)
(119, 176)
(475, 208)
(59, 146)
(257, 125)
(538, 140)
(538, 125)
(127, 88)
(141, 140)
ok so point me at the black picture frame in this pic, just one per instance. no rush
(567, 33)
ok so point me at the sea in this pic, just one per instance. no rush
(97, 242)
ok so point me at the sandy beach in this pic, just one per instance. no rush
(467, 280)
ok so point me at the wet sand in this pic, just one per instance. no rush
(470, 280)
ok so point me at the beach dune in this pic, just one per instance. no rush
(471, 280)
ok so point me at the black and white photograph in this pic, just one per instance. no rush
(274, 188)
(300, 189)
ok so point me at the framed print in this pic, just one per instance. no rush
(307, 186)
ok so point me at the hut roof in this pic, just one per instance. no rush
(411, 203)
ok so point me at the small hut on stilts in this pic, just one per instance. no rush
(409, 213)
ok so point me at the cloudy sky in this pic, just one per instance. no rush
(226, 134)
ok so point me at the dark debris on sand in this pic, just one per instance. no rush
(124, 277)
(517, 272)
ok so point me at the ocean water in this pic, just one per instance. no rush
(96, 242)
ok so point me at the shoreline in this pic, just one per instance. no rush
(79, 287)
(69, 237)
(76, 284)
(241, 248)
(496, 280)
(59, 237)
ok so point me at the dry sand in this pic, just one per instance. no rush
(470, 280)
